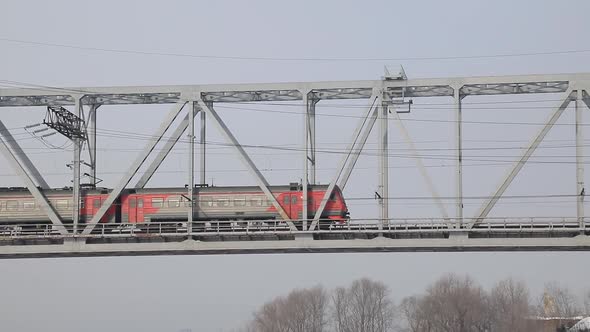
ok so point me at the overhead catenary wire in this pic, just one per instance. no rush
(275, 59)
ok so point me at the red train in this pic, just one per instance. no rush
(17, 205)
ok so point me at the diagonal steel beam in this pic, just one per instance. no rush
(262, 183)
(28, 164)
(155, 164)
(420, 164)
(345, 158)
(37, 194)
(358, 148)
(586, 98)
(489, 204)
(134, 167)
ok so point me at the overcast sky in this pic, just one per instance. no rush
(215, 293)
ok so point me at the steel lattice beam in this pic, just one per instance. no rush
(489, 85)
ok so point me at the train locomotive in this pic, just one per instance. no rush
(146, 205)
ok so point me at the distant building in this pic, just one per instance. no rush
(581, 326)
(556, 324)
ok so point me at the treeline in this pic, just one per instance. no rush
(451, 304)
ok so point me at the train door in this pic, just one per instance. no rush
(94, 205)
(296, 208)
(132, 206)
(286, 204)
(139, 211)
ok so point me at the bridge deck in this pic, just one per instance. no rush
(256, 237)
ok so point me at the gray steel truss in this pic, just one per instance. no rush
(163, 153)
(457, 95)
(79, 111)
(487, 85)
(36, 192)
(202, 98)
(24, 159)
(489, 204)
(262, 183)
(91, 132)
(373, 108)
(134, 167)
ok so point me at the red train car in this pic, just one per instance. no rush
(18, 206)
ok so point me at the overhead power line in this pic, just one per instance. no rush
(302, 59)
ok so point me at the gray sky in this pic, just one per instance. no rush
(219, 292)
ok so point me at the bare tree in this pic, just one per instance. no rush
(303, 310)
(558, 301)
(587, 303)
(414, 315)
(451, 304)
(363, 307)
(510, 307)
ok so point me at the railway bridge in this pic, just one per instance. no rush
(386, 98)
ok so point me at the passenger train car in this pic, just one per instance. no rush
(17, 205)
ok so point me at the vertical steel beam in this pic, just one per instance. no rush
(489, 204)
(91, 131)
(459, 156)
(24, 159)
(580, 191)
(312, 138)
(79, 111)
(343, 163)
(383, 159)
(202, 147)
(262, 183)
(39, 197)
(163, 153)
(134, 167)
(191, 164)
(305, 181)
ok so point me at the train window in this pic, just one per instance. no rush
(30, 205)
(223, 202)
(173, 203)
(140, 202)
(11, 205)
(256, 201)
(206, 202)
(81, 203)
(293, 199)
(240, 201)
(286, 199)
(1, 205)
(61, 204)
(333, 197)
(157, 202)
(132, 202)
(96, 203)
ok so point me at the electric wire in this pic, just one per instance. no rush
(302, 59)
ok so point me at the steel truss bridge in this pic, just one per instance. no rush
(457, 233)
